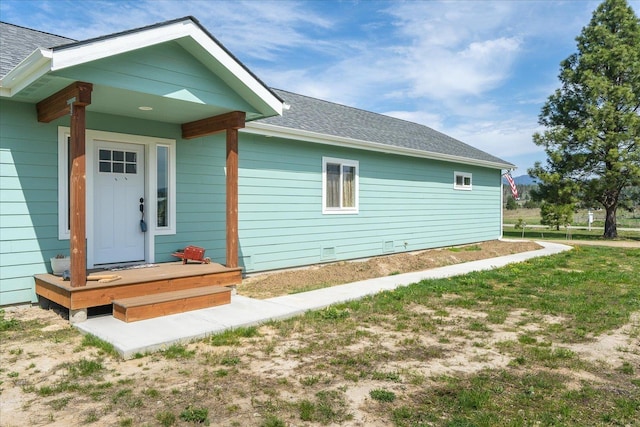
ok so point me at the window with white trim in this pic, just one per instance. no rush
(339, 186)
(462, 181)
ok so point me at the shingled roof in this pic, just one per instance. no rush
(17, 43)
(305, 113)
(328, 118)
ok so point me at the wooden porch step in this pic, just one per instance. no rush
(162, 304)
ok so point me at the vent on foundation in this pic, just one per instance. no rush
(328, 253)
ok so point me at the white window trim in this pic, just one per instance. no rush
(340, 210)
(463, 175)
(153, 187)
(63, 180)
(150, 144)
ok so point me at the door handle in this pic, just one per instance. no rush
(143, 225)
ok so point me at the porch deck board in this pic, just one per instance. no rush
(164, 277)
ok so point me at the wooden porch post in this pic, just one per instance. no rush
(73, 100)
(229, 122)
(77, 198)
(232, 197)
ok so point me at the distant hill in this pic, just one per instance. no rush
(522, 180)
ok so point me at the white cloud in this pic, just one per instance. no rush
(262, 30)
(454, 49)
(477, 70)
(507, 138)
(257, 29)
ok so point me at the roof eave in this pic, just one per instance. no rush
(315, 137)
(26, 72)
(82, 52)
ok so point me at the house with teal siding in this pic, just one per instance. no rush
(123, 148)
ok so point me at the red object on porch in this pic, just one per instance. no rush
(192, 253)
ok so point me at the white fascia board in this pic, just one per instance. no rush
(303, 135)
(26, 72)
(237, 70)
(111, 46)
(99, 49)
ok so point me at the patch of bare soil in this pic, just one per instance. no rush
(272, 372)
(269, 285)
(286, 364)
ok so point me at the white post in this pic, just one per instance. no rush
(501, 205)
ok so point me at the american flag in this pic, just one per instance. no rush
(514, 189)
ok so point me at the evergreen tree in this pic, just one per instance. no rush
(592, 122)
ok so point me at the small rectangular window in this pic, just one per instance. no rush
(113, 161)
(462, 181)
(340, 186)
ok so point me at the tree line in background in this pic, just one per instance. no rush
(592, 123)
(524, 200)
(630, 201)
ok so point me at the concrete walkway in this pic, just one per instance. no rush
(159, 333)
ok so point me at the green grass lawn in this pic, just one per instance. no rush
(563, 234)
(624, 218)
(595, 290)
(513, 346)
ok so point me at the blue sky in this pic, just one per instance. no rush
(477, 70)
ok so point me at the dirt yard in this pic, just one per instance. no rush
(49, 376)
(270, 285)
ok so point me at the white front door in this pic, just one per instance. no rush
(118, 194)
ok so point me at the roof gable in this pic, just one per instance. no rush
(186, 32)
(176, 76)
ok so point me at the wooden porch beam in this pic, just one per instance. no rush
(59, 104)
(233, 120)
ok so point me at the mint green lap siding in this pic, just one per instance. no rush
(201, 208)
(20, 295)
(28, 200)
(405, 204)
(200, 186)
(29, 194)
(176, 75)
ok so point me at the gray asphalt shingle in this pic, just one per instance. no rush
(328, 118)
(17, 43)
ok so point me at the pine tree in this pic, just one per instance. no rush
(592, 122)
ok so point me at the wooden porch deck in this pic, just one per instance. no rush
(173, 279)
